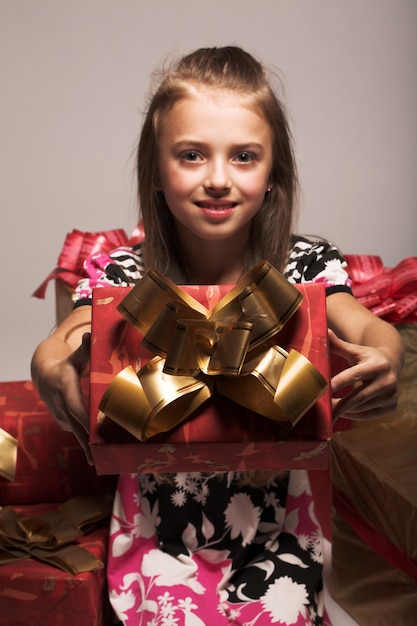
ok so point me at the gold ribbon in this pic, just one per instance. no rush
(198, 353)
(50, 536)
(8, 455)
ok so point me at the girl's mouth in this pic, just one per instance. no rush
(217, 209)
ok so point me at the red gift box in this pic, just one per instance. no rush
(51, 468)
(220, 435)
(51, 465)
(32, 592)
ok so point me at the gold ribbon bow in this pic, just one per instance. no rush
(50, 537)
(198, 353)
(8, 455)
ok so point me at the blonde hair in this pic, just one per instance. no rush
(225, 68)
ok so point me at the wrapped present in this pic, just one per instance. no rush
(37, 592)
(52, 536)
(389, 292)
(374, 474)
(50, 464)
(177, 418)
(79, 246)
(367, 586)
(52, 555)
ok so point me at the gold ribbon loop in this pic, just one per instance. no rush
(157, 300)
(279, 385)
(264, 298)
(151, 402)
(8, 455)
(225, 351)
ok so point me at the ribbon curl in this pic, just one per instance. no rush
(198, 353)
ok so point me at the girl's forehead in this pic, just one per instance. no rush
(219, 95)
(213, 110)
(213, 117)
(203, 101)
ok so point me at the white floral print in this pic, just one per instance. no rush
(285, 600)
(222, 553)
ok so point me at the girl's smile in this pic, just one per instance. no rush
(214, 163)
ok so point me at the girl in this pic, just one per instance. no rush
(217, 190)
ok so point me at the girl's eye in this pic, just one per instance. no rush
(190, 155)
(245, 157)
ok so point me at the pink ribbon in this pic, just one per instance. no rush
(390, 293)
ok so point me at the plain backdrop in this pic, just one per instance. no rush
(74, 81)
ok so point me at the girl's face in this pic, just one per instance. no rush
(214, 164)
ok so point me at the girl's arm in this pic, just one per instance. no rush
(57, 366)
(375, 354)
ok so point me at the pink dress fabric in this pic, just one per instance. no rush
(151, 587)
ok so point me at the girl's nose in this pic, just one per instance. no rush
(218, 176)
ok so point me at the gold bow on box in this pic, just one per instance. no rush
(227, 351)
(52, 537)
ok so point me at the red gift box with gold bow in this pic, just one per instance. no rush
(35, 592)
(210, 378)
(53, 537)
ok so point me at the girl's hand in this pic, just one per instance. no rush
(370, 382)
(60, 389)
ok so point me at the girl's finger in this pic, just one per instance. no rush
(81, 355)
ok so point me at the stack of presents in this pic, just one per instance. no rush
(167, 364)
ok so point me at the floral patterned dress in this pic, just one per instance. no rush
(201, 549)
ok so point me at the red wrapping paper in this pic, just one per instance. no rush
(51, 465)
(221, 435)
(38, 594)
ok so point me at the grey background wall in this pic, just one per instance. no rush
(74, 79)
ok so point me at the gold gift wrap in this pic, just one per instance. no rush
(374, 570)
(371, 590)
